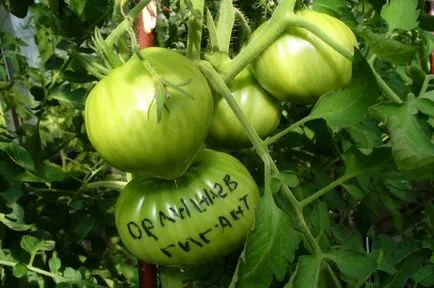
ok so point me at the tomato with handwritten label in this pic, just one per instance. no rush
(299, 67)
(260, 108)
(121, 114)
(203, 215)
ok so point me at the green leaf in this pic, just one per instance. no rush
(225, 22)
(55, 263)
(18, 154)
(355, 192)
(401, 14)
(366, 135)
(406, 269)
(20, 270)
(354, 265)
(15, 219)
(33, 245)
(212, 31)
(412, 149)
(348, 106)
(269, 247)
(356, 162)
(66, 94)
(389, 49)
(425, 276)
(72, 274)
(400, 189)
(319, 218)
(288, 178)
(307, 273)
(425, 103)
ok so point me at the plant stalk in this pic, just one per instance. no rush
(125, 24)
(195, 29)
(326, 189)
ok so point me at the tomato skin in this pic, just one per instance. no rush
(121, 120)
(299, 67)
(201, 216)
(261, 109)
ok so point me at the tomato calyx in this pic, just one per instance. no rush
(162, 86)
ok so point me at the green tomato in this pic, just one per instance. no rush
(299, 67)
(261, 109)
(121, 115)
(199, 217)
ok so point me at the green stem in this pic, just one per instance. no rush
(116, 185)
(37, 270)
(125, 24)
(388, 92)
(332, 274)
(275, 27)
(218, 85)
(299, 21)
(285, 131)
(195, 22)
(326, 189)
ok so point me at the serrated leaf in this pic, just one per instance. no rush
(355, 192)
(308, 271)
(406, 269)
(352, 264)
(356, 162)
(348, 106)
(15, 219)
(319, 218)
(401, 14)
(288, 178)
(412, 149)
(18, 154)
(55, 264)
(20, 270)
(72, 274)
(389, 49)
(425, 276)
(33, 245)
(399, 189)
(269, 247)
(366, 135)
(74, 97)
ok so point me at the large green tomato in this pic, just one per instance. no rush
(299, 67)
(261, 109)
(121, 115)
(201, 216)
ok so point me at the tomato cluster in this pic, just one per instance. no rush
(188, 204)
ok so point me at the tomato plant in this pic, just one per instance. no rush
(345, 184)
(121, 115)
(299, 67)
(260, 108)
(203, 215)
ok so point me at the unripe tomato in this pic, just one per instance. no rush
(262, 110)
(201, 216)
(299, 67)
(121, 115)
